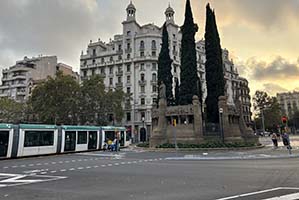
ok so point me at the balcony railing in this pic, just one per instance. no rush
(142, 82)
(128, 50)
(119, 73)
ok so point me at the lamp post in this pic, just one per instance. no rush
(221, 124)
(143, 129)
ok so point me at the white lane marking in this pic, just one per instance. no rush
(80, 168)
(63, 170)
(122, 163)
(140, 160)
(72, 169)
(116, 164)
(95, 166)
(88, 167)
(38, 164)
(128, 162)
(109, 165)
(5, 167)
(14, 166)
(79, 160)
(60, 162)
(53, 171)
(23, 165)
(46, 163)
(258, 192)
(294, 196)
(31, 165)
(72, 161)
(103, 165)
(68, 161)
(43, 172)
(134, 161)
(53, 163)
(150, 160)
(160, 158)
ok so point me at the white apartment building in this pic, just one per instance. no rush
(289, 102)
(19, 80)
(130, 61)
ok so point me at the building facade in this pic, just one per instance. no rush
(19, 80)
(130, 62)
(289, 102)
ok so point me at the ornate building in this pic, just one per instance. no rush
(130, 62)
(289, 102)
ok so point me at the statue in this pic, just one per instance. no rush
(162, 91)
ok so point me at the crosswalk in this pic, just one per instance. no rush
(280, 193)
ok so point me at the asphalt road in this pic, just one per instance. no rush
(138, 175)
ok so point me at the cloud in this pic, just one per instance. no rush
(272, 88)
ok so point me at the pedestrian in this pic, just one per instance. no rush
(274, 140)
(286, 141)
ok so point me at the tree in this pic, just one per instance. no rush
(266, 107)
(96, 105)
(11, 111)
(164, 67)
(188, 76)
(214, 66)
(56, 100)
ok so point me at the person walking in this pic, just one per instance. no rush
(274, 140)
(286, 141)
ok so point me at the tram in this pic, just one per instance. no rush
(37, 139)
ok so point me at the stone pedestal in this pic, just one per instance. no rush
(159, 133)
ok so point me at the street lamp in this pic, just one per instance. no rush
(143, 130)
(221, 124)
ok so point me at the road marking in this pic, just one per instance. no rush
(88, 167)
(116, 164)
(63, 170)
(80, 168)
(95, 166)
(260, 192)
(294, 196)
(53, 171)
(103, 165)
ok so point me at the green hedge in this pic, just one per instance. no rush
(146, 144)
(208, 145)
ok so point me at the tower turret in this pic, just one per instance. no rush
(169, 13)
(131, 11)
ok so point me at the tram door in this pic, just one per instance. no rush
(4, 135)
(122, 138)
(92, 140)
(70, 141)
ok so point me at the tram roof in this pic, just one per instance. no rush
(37, 126)
(94, 128)
(5, 126)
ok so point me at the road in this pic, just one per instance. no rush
(138, 175)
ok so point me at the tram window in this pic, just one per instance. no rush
(82, 137)
(39, 138)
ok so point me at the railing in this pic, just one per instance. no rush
(142, 82)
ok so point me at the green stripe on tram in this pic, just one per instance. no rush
(93, 128)
(37, 126)
(5, 126)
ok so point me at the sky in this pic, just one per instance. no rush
(261, 35)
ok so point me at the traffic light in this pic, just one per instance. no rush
(284, 119)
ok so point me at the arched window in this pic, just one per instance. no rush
(153, 44)
(141, 44)
(154, 77)
(142, 77)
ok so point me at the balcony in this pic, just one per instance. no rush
(128, 50)
(119, 51)
(154, 82)
(142, 82)
(20, 76)
(119, 73)
(119, 85)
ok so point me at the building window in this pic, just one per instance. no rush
(102, 70)
(142, 89)
(111, 81)
(128, 33)
(84, 73)
(120, 69)
(82, 137)
(119, 47)
(141, 53)
(154, 53)
(154, 44)
(92, 72)
(128, 90)
(154, 88)
(141, 44)
(119, 79)
(141, 66)
(154, 66)
(154, 77)
(128, 56)
(142, 115)
(94, 52)
(93, 61)
(142, 77)
(111, 59)
(128, 116)
(154, 100)
(128, 68)
(102, 60)
(119, 57)
(128, 79)
(128, 46)
(142, 101)
(111, 70)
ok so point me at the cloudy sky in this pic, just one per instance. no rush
(262, 35)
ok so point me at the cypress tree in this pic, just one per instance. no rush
(214, 66)
(164, 67)
(189, 77)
